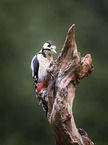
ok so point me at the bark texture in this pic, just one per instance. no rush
(67, 71)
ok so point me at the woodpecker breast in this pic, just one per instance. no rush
(43, 66)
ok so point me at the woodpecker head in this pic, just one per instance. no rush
(49, 47)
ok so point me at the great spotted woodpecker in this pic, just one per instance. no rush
(40, 64)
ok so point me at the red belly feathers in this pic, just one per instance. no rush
(43, 85)
(40, 87)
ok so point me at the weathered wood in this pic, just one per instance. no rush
(67, 71)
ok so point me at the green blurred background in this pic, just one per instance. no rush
(24, 26)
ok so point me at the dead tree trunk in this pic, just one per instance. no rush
(67, 71)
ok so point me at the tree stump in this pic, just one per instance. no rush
(66, 73)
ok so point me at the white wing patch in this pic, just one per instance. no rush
(32, 67)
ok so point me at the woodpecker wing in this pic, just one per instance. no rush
(35, 68)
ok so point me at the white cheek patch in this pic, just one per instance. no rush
(46, 45)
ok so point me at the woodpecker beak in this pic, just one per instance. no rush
(53, 50)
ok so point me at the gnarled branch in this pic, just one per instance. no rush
(67, 71)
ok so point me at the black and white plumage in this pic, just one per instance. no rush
(40, 63)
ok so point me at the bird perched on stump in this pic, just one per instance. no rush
(40, 64)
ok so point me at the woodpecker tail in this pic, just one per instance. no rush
(38, 88)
